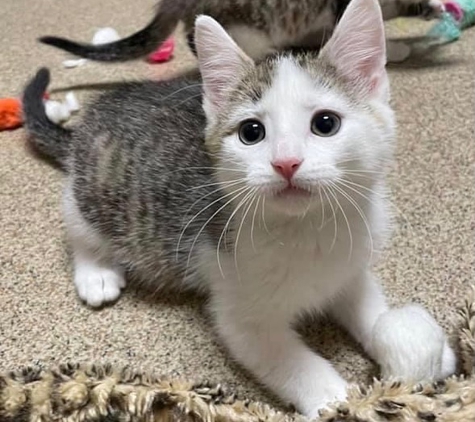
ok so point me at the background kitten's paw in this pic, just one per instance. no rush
(397, 51)
(96, 285)
(409, 344)
(433, 9)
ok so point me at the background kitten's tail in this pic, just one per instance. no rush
(48, 138)
(137, 45)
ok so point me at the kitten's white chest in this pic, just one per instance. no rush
(287, 269)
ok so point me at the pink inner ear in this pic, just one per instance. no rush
(358, 47)
(370, 69)
(220, 59)
(366, 72)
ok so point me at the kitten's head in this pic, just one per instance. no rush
(296, 129)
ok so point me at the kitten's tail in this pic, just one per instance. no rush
(48, 138)
(137, 45)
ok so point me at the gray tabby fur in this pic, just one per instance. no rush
(134, 163)
(139, 168)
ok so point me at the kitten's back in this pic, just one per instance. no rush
(135, 168)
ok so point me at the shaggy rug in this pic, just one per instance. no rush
(103, 393)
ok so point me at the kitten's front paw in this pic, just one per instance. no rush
(97, 286)
(449, 361)
(409, 344)
(334, 391)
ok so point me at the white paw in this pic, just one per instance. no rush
(98, 285)
(434, 9)
(334, 391)
(409, 344)
(449, 361)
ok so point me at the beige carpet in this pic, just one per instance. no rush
(430, 261)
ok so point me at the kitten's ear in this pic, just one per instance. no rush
(220, 59)
(358, 47)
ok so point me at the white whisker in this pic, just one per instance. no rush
(220, 189)
(241, 191)
(323, 208)
(200, 212)
(362, 215)
(203, 168)
(250, 196)
(252, 224)
(380, 195)
(180, 90)
(350, 235)
(225, 228)
(226, 183)
(335, 222)
(263, 214)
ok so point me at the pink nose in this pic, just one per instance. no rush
(287, 167)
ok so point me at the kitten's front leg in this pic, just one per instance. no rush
(407, 342)
(275, 354)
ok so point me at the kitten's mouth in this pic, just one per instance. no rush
(292, 191)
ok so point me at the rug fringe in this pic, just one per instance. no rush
(105, 393)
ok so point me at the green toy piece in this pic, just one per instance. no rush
(458, 16)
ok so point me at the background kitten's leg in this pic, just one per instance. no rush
(406, 342)
(397, 51)
(255, 43)
(274, 353)
(428, 9)
(190, 39)
(96, 278)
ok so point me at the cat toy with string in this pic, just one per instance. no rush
(11, 110)
(458, 16)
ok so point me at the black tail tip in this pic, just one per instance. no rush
(58, 42)
(42, 76)
(37, 86)
(41, 80)
(49, 40)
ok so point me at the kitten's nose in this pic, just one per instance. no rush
(287, 167)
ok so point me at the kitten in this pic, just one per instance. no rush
(259, 27)
(270, 198)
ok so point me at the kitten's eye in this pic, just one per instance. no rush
(251, 132)
(325, 123)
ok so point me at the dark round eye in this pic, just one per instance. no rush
(325, 123)
(251, 132)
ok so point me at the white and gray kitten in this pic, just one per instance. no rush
(259, 27)
(271, 200)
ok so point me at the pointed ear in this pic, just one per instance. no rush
(220, 59)
(357, 47)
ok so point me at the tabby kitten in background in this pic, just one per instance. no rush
(270, 198)
(259, 27)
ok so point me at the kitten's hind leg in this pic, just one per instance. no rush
(97, 279)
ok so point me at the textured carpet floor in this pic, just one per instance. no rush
(430, 260)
